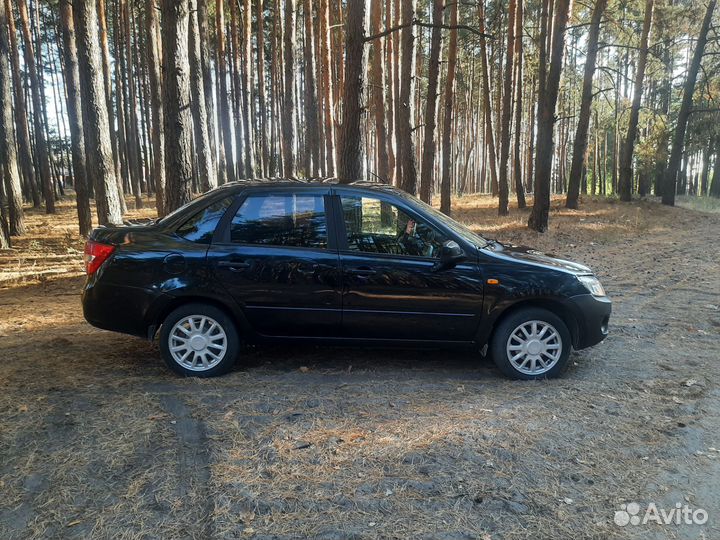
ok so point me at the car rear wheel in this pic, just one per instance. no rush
(199, 340)
(531, 343)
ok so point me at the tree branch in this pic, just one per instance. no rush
(417, 22)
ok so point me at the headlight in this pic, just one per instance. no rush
(592, 284)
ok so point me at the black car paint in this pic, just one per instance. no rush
(332, 295)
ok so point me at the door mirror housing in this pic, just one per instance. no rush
(451, 254)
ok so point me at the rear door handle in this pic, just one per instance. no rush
(363, 272)
(234, 266)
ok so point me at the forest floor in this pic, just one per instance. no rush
(99, 439)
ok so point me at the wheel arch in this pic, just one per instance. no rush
(174, 302)
(553, 305)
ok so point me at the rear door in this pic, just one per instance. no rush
(276, 258)
(392, 290)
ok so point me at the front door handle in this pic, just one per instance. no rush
(234, 266)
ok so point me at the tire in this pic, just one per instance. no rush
(525, 345)
(199, 340)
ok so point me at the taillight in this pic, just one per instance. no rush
(96, 254)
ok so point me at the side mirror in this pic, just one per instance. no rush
(451, 254)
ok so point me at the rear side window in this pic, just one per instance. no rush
(281, 220)
(202, 225)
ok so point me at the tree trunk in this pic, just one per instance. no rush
(237, 90)
(715, 185)
(97, 125)
(517, 169)
(378, 93)
(264, 156)
(312, 141)
(704, 175)
(581, 134)
(427, 167)
(487, 106)
(288, 114)
(107, 83)
(546, 120)
(503, 188)
(22, 127)
(74, 108)
(132, 139)
(158, 120)
(678, 140)
(41, 147)
(625, 179)
(447, 145)
(247, 91)
(351, 167)
(176, 97)
(406, 105)
(223, 96)
(205, 162)
(327, 87)
(8, 143)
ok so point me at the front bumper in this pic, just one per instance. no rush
(593, 317)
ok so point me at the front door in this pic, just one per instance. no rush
(391, 289)
(276, 260)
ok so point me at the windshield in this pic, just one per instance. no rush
(459, 229)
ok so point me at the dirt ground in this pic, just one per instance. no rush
(98, 439)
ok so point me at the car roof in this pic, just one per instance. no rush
(309, 183)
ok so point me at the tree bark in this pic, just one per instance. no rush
(503, 188)
(288, 115)
(625, 179)
(237, 90)
(176, 97)
(378, 94)
(351, 168)
(327, 88)
(8, 142)
(22, 127)
(517, 168)
(487, 106)
(715, 185)
(223, 96)
(406, 105)
(158, 121)
(115, 144)
(427, 166)
(447, 145)
(312, 141)
(264, 156)
(97, 125)
(247, 90)
(678, 140)
(74, 108)
(41, 146)
(203, 151)
(546, 120)
(581, 134)
(132, 139)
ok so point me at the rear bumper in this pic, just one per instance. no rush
(118, 308)
(593, 317)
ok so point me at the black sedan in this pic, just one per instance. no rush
(335, 264)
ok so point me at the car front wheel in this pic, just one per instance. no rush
(531, 343)
(199, 340)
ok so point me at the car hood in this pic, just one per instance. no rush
(529, 255)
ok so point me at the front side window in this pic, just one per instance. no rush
(375, 226)
(202, 225)
(293, 220)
